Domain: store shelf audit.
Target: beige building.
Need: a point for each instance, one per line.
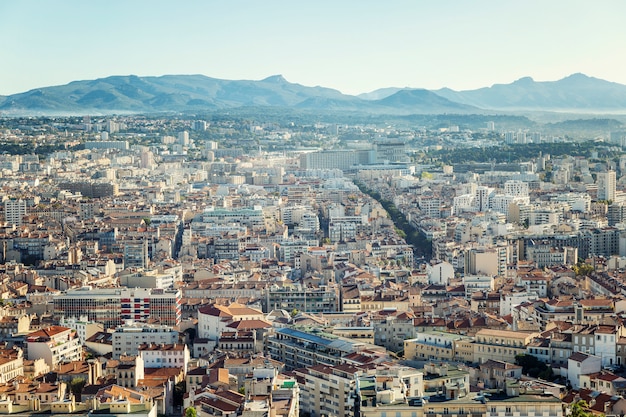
(522, 405)
(363, 334)
(84, 327)
(500, 345)
(35, 368)
(129, 371)
(11, 364)
(392, 327)
(438, 346)
(271, 394)
(214, 319)
(377, 303)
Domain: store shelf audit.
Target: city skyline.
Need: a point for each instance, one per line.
(352, 47)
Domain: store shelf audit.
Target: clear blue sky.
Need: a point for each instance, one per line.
(353, 46)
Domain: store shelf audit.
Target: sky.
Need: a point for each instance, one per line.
(354, 46)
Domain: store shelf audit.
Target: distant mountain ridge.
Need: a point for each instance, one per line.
(577, 92)
(133, 94)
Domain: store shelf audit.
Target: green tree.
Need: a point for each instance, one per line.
(578, 409)
(76, 386)
(179, 392)
(191, 412)
(582, 268)
(532, 366)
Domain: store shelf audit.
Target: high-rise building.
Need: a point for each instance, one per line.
(183, 138)
(200, 125)
(482, 196)
(606, 185)
(14, 211)
(136, 253)
(391, 150)
(111, 126)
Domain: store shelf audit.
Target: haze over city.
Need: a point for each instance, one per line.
(352, 46)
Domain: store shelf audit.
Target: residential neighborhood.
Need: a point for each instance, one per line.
(153, 265)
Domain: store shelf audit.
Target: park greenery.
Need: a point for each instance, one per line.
(533, 367)
(520, 153)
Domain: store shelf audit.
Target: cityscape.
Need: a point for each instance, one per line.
(232, 264)
(312, 209)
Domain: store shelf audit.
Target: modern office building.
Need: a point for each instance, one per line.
(113, 306)
(337, 159)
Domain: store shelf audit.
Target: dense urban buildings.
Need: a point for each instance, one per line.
(153, 265)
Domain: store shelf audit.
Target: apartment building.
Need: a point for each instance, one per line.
(127, 338)
(438, 346)
(165, 356)
(500, 345)
(299, 349)
(55, 344)
(214, 319)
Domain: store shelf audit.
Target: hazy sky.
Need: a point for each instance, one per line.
(353, 46)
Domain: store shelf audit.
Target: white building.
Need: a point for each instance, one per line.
(475, 283)
(482, 198)
(213, 320)
(513, 299)
(14, 211)
(605, 340)
(55, 345)
(581, 364)
(606, 185)
(126, 339)
(165, 356)
(516, 188)
(440, 274)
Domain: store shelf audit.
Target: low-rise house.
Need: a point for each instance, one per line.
(496, 374)
(582, 364)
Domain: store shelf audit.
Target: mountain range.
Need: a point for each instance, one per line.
(174, 93)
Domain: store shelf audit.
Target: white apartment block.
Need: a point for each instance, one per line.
(14, 211)
(55, 344)
(165, 356)
(126, 339)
